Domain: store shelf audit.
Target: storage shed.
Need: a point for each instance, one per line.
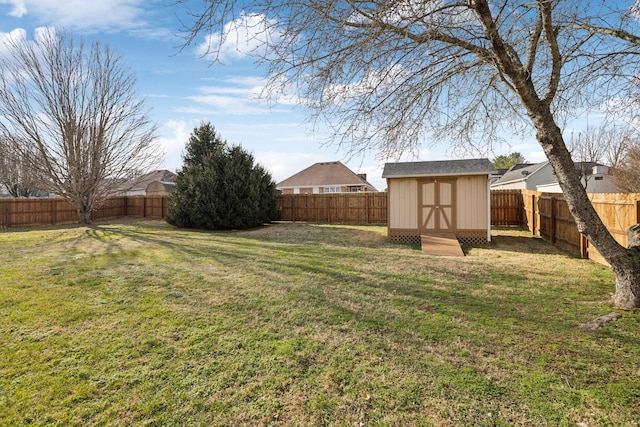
(441, 198)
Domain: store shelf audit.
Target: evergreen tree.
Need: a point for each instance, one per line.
(505, 161)
(220, 187)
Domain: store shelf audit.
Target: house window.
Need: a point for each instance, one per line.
(332, 189)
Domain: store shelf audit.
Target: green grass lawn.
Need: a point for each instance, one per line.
(294, 325)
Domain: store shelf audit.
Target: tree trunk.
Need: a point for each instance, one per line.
(624, 262)
(627, 289)
(84, 214)
(627, 272)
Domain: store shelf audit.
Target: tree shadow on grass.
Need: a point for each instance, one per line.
(438, 299)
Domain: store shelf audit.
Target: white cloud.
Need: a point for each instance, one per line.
(401, 12)
(284, 164)
(175, 135)
(19, 8)
(221, 104)
(92, 16)
(249, 34)
(14, 36)
(234, 96)
(18, 37)
(375, 81)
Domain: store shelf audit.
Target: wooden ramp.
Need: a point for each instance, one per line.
(441, 244)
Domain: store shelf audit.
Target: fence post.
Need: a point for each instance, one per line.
(5, 214)
(584, 247)
(520, 205)
(366, 207)
(553, 220)
(533, 214)
(52, 203)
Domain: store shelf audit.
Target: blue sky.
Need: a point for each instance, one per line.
(182, 89)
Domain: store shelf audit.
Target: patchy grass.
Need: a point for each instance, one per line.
(294, 324)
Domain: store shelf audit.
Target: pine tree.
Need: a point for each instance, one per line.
(220, 187)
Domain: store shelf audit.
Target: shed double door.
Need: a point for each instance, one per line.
(436, 204)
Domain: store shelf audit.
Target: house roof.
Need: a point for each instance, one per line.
(520, 172)
(439, 168)
(167, 186)
(141, 182)
(324, 174)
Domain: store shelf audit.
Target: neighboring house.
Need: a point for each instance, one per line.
(596, 176)
(156, 183)
(540, 177)
(325, 177)
(158, 188)
(525, 177)
(439, 197)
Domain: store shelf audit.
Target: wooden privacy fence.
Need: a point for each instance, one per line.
(340, 208)
(371, 208)
(547, 215)
(51, 211)
(544, 214)
(506, 207)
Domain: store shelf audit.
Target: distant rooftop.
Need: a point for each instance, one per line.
(140, 183)
(324, 174)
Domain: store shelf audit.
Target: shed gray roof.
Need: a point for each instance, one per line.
(439, 168)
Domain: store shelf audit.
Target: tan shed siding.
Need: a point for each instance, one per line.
(403, 203)
(472, 203)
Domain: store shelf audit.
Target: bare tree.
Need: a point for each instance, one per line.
(75, 109)
(602, 144)
(15, 171)
(385, 74)
(627, 172)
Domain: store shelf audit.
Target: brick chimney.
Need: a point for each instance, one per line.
(362, 176)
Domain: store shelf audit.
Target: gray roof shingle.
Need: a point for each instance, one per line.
(438, 168)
